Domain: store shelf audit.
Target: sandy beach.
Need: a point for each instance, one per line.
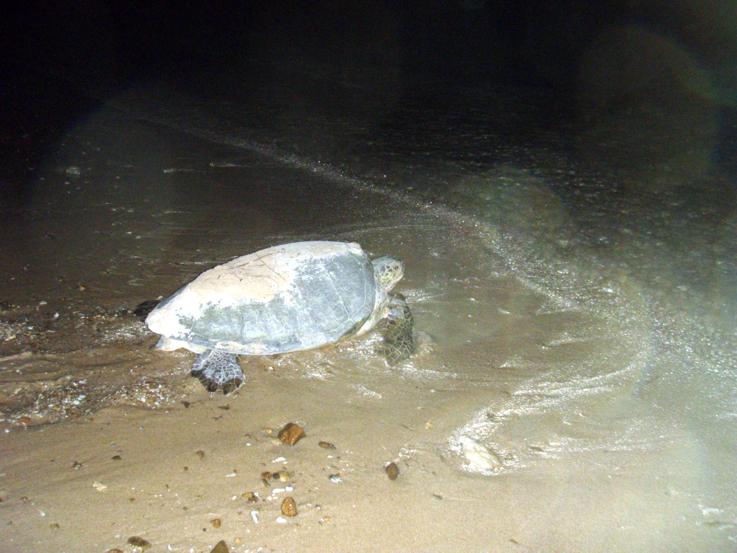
(573, 389)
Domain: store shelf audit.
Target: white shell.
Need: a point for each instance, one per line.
(284, 298)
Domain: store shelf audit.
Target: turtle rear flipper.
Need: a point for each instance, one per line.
(397, 329)
(218, 369)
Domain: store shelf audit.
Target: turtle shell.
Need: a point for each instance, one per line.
(285, 298)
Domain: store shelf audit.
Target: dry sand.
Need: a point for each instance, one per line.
(165, 475)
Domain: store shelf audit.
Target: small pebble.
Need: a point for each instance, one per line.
(216, 523)
(114, 550)
(200, 454)
(220, 547)
(116, 457)
(250, 497)
(138, 541)
(326, 445)
(99, 486)
(291, 433)
(335, 478)
(281, 520)
(289, 507)
(392, 471)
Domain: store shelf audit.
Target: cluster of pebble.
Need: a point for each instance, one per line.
(289, 435)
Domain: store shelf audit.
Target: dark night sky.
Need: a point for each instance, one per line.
(57, 56)
(536, 42)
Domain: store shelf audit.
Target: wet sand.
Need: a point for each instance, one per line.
(524, 423)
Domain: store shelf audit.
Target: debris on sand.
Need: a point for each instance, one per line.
(291, 433)
(137, 541)
(220, 547)
(326, 445)
(392, 471)
(289, 507)
(250, 497)
(216, 523)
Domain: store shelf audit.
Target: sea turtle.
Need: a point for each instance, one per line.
(291, 297)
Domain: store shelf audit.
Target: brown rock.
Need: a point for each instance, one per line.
(250, 497)
(139, 542)
(114, 550)
(392, 471)
(220, 547)
(291, 433)
(326, 445)
(289, 507)
(216, 523)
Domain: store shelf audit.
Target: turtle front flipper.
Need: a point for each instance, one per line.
(397, 330)
(218, 369)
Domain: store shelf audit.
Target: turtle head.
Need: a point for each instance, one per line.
(388, 272)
